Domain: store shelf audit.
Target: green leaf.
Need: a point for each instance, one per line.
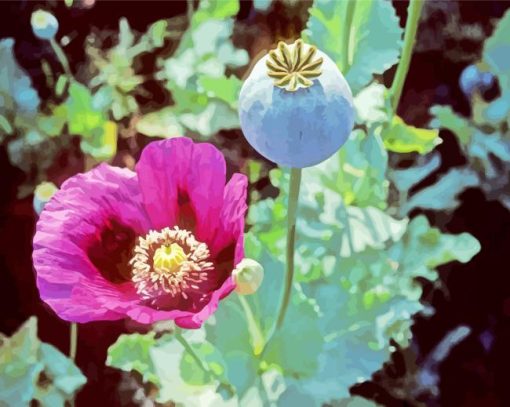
(444, 117)
(400, 137)
(496, 51)
(103, 144)
(229, 332)
(211, 9)
(443, 194)
(191, 372)
(157, 32)
(225, 89)
(131, 352)
(374, 42)
(53, 124)
(83, 118)
(161, 123)
(169, 358)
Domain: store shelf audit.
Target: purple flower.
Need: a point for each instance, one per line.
(156, 244)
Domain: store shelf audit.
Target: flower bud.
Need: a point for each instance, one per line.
(44, 24)
(248, 276)
(295, 107)
(42, 194)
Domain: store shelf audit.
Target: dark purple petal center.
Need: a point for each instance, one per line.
(111, 249)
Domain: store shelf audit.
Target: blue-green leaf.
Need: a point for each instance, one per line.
(496, 51)
(374, 41)
(443, 194)
(23, 359)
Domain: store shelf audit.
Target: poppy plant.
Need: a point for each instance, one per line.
(156, 244)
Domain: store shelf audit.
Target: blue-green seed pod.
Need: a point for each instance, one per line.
(295, 107)
(44, 24)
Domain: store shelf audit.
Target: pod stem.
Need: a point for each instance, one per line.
(61, 56)
(294, 186)
(413, 19)
(349, 15)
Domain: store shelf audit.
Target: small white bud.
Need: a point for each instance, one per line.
(248, 276)
(42, 194)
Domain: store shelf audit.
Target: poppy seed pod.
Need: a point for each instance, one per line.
(44, 24)
(295, 107)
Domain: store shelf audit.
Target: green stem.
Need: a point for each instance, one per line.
(185, 344)
(347, 225)
(73, 340)
(190, 9)
(413, 18)
(295, 182)
(349, 14)
(73, 347)
(255, 332)
(61, 56)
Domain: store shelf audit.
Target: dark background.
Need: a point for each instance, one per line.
(477, 294)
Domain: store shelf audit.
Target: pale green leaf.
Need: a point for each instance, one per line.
(216, 116)
(131, 353)
(370, 104)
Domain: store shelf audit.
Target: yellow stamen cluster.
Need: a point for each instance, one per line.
(170, 261)
(294, 66)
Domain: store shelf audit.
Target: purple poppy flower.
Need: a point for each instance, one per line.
(156, 244)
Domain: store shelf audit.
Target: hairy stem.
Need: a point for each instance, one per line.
(295, 182)
(413, 18)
